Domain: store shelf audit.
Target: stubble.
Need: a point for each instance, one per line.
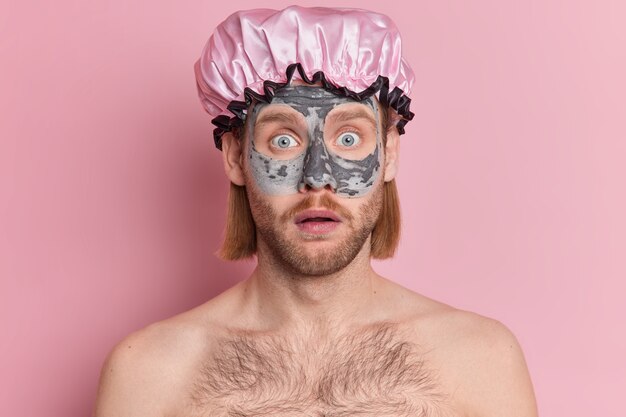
(287, 251)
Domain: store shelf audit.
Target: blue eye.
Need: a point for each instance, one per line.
(284, 141)
(348, 139)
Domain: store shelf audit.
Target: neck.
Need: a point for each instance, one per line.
(281, 298)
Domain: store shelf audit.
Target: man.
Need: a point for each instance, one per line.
(309, 105)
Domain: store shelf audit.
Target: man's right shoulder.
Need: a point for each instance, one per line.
(146, 372)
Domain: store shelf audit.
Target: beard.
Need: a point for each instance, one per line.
(289, 254)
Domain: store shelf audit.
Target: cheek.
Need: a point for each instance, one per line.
(356, 178)
(273, 176)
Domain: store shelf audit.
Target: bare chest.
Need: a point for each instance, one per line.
(372, 373)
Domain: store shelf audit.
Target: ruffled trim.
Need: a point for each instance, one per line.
(395, 99)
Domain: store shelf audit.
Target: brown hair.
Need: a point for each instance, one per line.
(240, 232)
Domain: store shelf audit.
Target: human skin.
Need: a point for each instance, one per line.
(278, 342)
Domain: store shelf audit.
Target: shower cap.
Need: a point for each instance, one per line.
(351, 52)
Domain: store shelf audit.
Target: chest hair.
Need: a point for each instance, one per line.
(367, 373)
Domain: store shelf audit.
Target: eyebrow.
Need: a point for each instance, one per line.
(283, 118)
(347, 115)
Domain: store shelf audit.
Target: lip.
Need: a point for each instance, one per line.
(311, 214)
(317, 222)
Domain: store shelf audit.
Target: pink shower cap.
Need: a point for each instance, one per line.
(351, 52)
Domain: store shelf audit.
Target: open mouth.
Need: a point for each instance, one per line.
(317, 221)
(316, 216)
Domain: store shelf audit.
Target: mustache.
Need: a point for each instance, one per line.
(312, 201)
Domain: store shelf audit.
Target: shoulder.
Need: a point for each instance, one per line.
(483, 363)
(150, 371)
(146, 372)
(478, 360)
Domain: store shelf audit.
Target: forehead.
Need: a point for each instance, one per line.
(317, 102)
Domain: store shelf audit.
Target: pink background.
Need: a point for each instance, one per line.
(112, 195)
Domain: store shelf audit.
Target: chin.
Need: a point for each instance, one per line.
(317, 255)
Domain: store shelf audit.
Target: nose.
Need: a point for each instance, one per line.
(317, 172)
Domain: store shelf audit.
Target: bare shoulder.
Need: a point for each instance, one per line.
(481, 361)
(492, 368)
(147, 371)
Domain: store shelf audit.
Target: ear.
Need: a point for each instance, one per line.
(392, 148)
(233, 158)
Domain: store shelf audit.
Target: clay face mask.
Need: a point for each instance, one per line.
(308, 136)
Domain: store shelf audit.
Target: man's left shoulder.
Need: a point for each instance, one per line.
(483, 362)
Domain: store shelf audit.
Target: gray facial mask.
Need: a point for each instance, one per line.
(316, 167)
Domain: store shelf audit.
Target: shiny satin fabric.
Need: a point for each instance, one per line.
(352, 47)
